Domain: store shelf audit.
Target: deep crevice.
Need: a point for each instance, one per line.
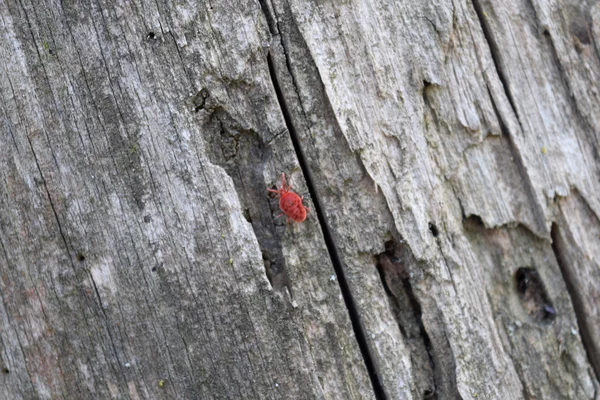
(240, 151)
(269, 17)
(327, 235)
(494, 51)
(567, 275)
(434, 229)
(395, 278)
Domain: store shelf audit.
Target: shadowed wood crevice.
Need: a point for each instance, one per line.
(329, 241)
(586, 326)
(241, 151)
(495, 51)
(394, 268)
(314, 120)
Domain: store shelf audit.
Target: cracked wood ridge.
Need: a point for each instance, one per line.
(449, 152)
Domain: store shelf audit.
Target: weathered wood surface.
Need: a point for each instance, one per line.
(451, 154)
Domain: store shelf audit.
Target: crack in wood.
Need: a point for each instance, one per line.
(502, 76)
(584, 328)
(55, 213)
(395, 279)
(495, 54)
(328, 237)
(64, 240)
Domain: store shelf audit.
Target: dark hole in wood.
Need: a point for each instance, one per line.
(533, 295)
(522, 277)
(200, 99)
(427, 89)
(151, 36)
(549, 312)
(580, 30)
(428, 394)
(247, 215)
(80, 257)
(153, 269)
(473, 222)
(147, 219)
(386, 288)
(5, 370)
(433, 229)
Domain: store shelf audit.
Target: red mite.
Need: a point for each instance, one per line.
(290, 203)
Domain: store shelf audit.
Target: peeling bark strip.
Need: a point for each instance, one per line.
(450, 150)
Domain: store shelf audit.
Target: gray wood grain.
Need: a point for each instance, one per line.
(448, 152)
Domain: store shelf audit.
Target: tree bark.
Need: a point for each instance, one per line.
(448, 152)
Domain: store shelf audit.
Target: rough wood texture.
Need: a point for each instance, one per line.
(448, 150)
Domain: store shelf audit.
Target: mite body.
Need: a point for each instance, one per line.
(290, 203)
